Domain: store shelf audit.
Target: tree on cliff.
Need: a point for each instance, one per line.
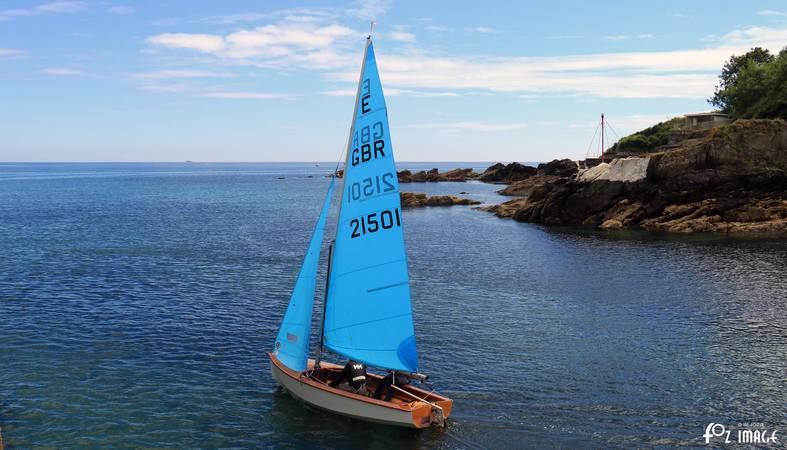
(753, 85)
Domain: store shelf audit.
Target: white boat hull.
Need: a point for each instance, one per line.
(416, 414)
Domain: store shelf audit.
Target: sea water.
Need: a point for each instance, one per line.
(137, 302)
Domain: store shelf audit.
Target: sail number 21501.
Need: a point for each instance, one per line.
(374, 222)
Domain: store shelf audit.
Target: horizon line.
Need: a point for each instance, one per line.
(240, 162)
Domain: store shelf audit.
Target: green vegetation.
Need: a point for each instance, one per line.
(753, 86)
(648, 139)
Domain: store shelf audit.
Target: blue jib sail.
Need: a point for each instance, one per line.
(292, 343)
(368, 316)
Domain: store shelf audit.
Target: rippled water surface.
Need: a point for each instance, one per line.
(137, 301)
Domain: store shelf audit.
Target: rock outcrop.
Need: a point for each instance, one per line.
(733, 180)
(507, 173)
(418, 199)
(525, 187)
(620, 169)
(406, 176)
(558, 167)
(545, 173)
(458, 175)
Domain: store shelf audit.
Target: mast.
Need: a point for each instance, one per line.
(325, 299)
(339, 211)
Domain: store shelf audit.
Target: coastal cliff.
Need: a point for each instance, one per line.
(732, 180)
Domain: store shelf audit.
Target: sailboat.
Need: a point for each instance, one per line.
(367, 316)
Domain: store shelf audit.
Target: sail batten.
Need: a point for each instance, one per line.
(368, 315)
(292, 343)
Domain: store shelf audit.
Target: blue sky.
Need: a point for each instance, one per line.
(273, 80)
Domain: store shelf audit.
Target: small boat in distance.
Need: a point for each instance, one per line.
(367, 316)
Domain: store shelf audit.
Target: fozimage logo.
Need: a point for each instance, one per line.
(746, 433)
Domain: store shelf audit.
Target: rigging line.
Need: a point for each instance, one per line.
(612, 129)
(592, 140)
(339, 161)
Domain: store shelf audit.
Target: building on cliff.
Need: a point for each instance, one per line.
(705, 120)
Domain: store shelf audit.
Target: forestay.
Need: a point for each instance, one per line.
(292, 343)
(368, 317)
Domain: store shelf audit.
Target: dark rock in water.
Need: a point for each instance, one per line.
(280, 178)
(431, 175)
(458, 175)
(735, 180)
(558, 167)
(309, 176)
(501, 173)
(463, 193)
(405, 176)
(418, 199)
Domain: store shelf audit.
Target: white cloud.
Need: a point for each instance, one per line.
(234, 18)
(472, 126)
(10, 53)
(752, 35)
(286, 44)
(349, 92)
(369, 9)
(294, 14)
(166, 88)
(566, 36)
(179, 73)
(330, 48)
(485, 30)
(623, 37)
(676, 74)
(206, 43)
(62, 72)
(770, 12)
(121, 9)
(60, 7)
(249, 95)
(391, 92)
(438, 29)
(401, 36)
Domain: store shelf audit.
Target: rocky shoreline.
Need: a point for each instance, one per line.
(729, 179)
(418, 199)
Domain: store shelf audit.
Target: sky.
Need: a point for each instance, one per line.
(239, 80)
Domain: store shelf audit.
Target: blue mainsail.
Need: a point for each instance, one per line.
(368, 317)
(292, 343)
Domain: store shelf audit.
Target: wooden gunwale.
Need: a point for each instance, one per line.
(303, 378)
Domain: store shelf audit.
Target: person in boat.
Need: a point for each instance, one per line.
(354, 373)
(385, 384)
